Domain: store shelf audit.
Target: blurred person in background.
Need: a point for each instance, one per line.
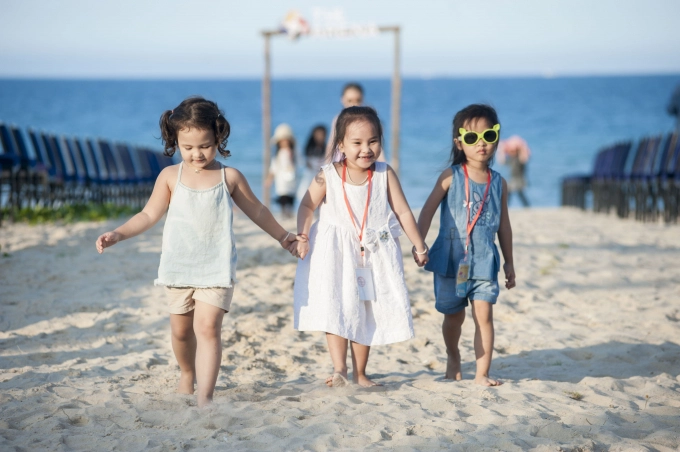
(514, 152)
(283, 172)
(315, 150)
(674, 107)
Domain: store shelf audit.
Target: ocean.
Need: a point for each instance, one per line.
(564, 120)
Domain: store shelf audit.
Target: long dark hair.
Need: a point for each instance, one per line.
(347, 117)
(312, 148)
(194, 112)
(466, 115)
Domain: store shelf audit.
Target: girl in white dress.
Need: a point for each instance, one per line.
(350, 281)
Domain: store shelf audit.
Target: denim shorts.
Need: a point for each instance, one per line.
(447, 302)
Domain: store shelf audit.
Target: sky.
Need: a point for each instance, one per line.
(221, 39)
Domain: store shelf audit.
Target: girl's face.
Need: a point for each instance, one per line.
(361, 145)
(481, 152)
(352, 98)
(285, 144)
(197, 147)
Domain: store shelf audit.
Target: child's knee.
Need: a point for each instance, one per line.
(456, 319)
(182, 333)
(206, 329)
(482, 311)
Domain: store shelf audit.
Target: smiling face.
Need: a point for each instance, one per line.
(481, 152)
(197, 146)
(361, 145)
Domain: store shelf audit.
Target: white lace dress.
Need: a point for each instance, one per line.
(326, 294)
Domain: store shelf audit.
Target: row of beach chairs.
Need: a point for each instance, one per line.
(48, 170)
(644, 180)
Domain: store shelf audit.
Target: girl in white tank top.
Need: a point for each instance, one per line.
(198, 259)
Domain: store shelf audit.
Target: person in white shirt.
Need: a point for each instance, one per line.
(283, 172)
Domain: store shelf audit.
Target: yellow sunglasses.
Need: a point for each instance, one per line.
(471, 138)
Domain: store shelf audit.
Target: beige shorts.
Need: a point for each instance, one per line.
(183, 299)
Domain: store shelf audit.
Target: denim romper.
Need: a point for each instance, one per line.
(449, 247)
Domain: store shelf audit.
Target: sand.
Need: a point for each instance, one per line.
(588, 345)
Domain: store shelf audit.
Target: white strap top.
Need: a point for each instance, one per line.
(198, 238)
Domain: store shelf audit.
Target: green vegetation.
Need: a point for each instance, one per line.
(574, 395)
(70, 213)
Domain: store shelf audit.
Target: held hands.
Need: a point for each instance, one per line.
(509, 270)
(106, 240)
(420, 258)
(301, 247)
(287, 241)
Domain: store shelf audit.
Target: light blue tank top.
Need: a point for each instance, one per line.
(449, 247)
(198, 238)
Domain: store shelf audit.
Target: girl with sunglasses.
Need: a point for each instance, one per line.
(464, 257)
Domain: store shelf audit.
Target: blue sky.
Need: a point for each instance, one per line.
(220, 39)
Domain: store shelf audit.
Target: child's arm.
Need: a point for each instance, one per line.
(315, 194)
(246, 200)
(441, 187)
(269, 179)
(401, 209)
(505, 240)
(153, 211)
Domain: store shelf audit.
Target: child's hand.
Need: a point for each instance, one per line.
(302, 249)
(509, 270)
(421, 259)
(288, 241)
(106, 240)
(302, 246)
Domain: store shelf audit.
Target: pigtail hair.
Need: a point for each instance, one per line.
(222, 132)
(168, 133)
(195, 112)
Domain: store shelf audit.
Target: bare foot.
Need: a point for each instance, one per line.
(453, 367)
(486, 381)
(364, 382)
(186, 384)
(204, 402)
(337, 380)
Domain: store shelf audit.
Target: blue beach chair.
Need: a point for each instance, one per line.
(627, 183)
(607, 183)
(93, 182)
(54, 182)
(37, 177)
(669, 180)
(63, 158)
(10, 168)
(652, 197)
(641, 175)
(115, 171)
(59, 189)
(575, 187)
(130, 181)
(144, 172)
(81, 182)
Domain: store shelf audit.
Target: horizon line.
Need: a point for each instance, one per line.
(545, 76)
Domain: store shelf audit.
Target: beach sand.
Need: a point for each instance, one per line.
(588, 345)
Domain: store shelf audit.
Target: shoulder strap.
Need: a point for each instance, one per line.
(179, 172)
